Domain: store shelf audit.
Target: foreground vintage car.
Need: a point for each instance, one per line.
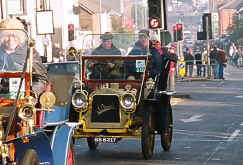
(25, 135)
(122, 102)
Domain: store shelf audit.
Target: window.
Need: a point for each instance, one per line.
(15, 7)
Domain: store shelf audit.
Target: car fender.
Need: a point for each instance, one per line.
(61, 141)
(38, 142)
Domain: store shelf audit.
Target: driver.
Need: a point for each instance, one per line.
(13, 50)
(106, 69)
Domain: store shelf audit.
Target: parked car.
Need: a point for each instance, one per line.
(123, 101)
(25, 135)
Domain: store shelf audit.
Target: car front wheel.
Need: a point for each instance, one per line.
(148, 135)
(92, 144)
(166, 138)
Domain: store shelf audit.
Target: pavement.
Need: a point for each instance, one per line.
(231, 73)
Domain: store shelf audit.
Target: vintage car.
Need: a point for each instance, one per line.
(32, 130)
(117, 98)
(69, 68)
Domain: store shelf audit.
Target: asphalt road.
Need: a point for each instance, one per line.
(208, 129)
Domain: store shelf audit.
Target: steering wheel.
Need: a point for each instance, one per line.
(102, 67)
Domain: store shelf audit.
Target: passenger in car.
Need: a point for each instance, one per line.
(13, 48)
(142, 45)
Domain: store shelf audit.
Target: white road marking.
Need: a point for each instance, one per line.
(192, 119)
(239, 96)
(241, 124)
(233, 135)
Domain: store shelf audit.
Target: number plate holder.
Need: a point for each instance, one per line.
(106, 139)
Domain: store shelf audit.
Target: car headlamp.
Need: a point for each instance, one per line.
(27, 112)
(80, 100)
(128, 101)
(47, 99)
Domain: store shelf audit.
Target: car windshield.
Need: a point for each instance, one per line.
(114, 67)
(117, 56)
(72, 67)
(13, 52)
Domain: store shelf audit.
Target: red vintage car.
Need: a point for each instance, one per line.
(25, 136)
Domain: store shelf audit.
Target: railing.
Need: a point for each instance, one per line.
(196, 69)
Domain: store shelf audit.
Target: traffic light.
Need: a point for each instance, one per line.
(207, 25)
(154, 13)
(201, 36)
(175, 33)
(179, 31)
(70, 32)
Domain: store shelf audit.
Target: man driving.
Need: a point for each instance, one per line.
(105, 68)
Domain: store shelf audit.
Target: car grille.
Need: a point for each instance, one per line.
(105, 108)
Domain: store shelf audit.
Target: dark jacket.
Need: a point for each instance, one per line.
(198, 58)
(213, 55)
(189, 59)
(102, 51)
(138, 49)
(221, 57)
(156, 63)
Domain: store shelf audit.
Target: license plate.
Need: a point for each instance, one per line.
(105, 139)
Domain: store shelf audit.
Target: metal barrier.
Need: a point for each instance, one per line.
(196, 69)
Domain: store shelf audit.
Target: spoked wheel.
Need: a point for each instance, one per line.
(92, 144)
(148, 134)
(166, 138)
(29, 157)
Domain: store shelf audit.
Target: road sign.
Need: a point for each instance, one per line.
(154, 23)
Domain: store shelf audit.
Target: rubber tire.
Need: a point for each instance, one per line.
(92, 144)
(166, 138)
(148, 137)
(29, 157)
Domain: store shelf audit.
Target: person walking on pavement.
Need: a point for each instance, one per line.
(204, 61)
(235, 56)
(198, 58)
(221, 59)
(213, 62)
(189, 62)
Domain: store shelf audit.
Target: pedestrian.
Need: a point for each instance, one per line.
(198, 59)
(157, 58)
(204, 65)
(213, 62)
(189, 62)
(222, 60)
(172, 71)
(235, 57)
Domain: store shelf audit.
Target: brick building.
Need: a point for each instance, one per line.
(226, 14)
